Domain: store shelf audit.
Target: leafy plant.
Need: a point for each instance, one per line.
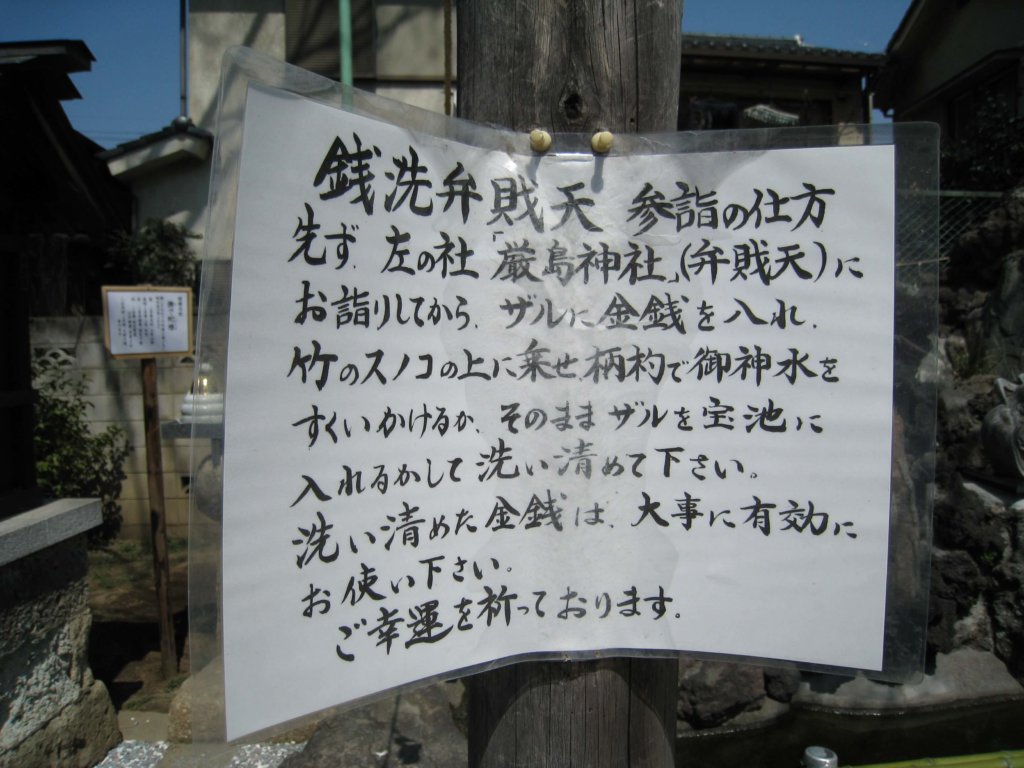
(156, 254)
(989, 155)
(71, 461)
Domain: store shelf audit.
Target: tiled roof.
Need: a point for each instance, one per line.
(59, 186)
(790, 49)
(176, 128)
(47, 63)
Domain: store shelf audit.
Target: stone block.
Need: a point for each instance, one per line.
(52, 711)
(197, 709)
(81, 734)
(43, 678)
(45, 526)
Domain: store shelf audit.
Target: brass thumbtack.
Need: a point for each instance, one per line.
(601, 142)
(540, 140)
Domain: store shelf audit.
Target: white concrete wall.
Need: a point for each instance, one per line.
(213, 27)
(426, 95)
(410, 40)
(178, 193)
(114, 390)
(411, 49)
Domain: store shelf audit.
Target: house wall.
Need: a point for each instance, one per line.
(423, 95)
(397, 45)
(409, 40)
(409, 59)
(213, 27)
(177, 194)
(948, 38)
(114, 392)
(820, 101)
(408, 48)
(180, 193)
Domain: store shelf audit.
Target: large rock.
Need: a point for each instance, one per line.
(962, 677)
(80, 734)
(956, 584)
(781, 683)
(1001, 348)
(961, 409)
(199, 700)
(974, 630)
(982, 298)
(712, 692)
(1008, 598)
(978, 567)
(413, 728)
(977, 587)
(974, 520)
(196, 713)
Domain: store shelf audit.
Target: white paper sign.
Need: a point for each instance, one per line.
(145, 322)
(482, 405)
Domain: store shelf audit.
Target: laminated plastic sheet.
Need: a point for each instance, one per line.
(483, 404)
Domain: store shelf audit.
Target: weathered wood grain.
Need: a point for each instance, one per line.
(572, 66)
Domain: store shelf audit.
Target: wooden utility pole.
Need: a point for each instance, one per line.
(158, 518)
(572, 66)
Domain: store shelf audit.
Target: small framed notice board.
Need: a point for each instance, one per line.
(147, 321)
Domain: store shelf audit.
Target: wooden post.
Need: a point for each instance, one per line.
(572, 66)
(158, 517)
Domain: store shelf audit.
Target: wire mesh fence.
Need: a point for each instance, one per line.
(929, 225)
(960, 212)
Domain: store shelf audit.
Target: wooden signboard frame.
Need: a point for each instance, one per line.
(154, 461)
(111, 290)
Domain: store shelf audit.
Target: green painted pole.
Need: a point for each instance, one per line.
(1013, 759)
(345, 41)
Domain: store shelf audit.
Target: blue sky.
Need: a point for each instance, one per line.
(133, 88)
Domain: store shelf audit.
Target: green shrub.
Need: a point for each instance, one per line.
(71, 461)
(989, 156)
(158, 253)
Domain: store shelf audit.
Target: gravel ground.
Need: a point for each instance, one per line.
(263, 755)
(148, 754)
(135, 754)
